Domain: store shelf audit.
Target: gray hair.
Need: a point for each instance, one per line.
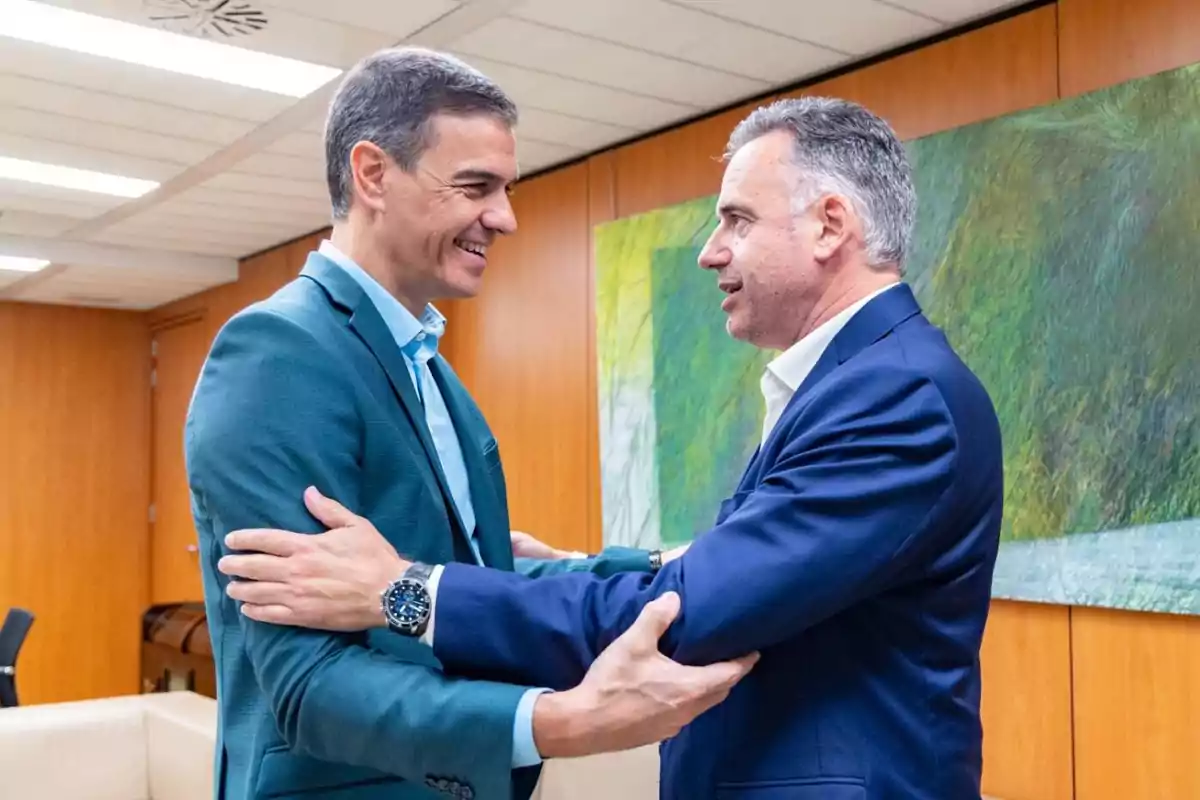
(389, 99)
(842, 147)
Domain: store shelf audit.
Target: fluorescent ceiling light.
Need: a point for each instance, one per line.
(21, 264)
(72, 178)
(150, 47)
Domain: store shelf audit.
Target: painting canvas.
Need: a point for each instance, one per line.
(1058, 249)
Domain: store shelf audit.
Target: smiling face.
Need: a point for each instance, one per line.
(436, 222)
(774, 262)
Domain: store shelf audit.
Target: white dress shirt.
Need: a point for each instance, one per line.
(787, 371)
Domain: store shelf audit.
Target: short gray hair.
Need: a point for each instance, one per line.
(842, 147)
(389, 99)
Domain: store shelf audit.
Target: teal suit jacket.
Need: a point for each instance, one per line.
(309, 388)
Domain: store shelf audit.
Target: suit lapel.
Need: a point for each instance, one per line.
(370, 327)
(495, 546)
(874, 321)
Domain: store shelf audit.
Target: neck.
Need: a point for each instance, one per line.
(353, 238)
(847, 289)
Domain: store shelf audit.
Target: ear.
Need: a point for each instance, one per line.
(368, 171)
(836, 220)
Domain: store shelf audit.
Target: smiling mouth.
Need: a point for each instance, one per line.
(474, 248)
(730, 288)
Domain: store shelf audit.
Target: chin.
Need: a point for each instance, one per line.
(736, 330)
(464, 286)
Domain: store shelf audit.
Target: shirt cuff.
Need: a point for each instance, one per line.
(525, 752)
(435, 577)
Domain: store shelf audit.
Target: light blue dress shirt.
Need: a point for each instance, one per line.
(418, 341)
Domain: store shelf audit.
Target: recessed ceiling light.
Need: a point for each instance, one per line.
(72, 178)
(148, 47)
(21, 264)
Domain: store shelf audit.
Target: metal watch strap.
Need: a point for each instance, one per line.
(418, 571)
(655, 560)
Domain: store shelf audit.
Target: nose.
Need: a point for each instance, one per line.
(715, 254)
(500, 217)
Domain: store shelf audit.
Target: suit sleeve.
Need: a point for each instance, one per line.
(842, 514)
(609, 561)
(269, 419)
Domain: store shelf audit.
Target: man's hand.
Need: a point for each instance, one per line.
(329, 581)
(633, 695)
(525, 545)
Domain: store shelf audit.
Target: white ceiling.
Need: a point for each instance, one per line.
(242, 170)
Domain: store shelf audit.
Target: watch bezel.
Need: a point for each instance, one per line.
(407, 624)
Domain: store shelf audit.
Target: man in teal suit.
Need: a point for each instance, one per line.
(335, 383)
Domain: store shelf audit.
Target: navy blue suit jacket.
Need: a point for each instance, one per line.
(856, 555)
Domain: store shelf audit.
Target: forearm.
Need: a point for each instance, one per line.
(843, 514)
(543, 632)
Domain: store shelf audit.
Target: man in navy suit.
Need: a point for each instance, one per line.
(856, 553)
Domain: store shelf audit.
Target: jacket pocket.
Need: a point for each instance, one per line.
(817, 788)
(284, 774)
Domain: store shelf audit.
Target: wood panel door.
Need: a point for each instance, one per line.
(179, 352)
(74, 487)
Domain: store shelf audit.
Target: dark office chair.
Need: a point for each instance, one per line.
(12, 636)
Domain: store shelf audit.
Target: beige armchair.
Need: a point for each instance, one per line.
(142, 747)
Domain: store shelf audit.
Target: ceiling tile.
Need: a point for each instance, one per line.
(22, 196)
(681, 32)
(128, 140)
(398, 20)
(28, 223)
(525, 44)
(250, 201)
(302, 145)
(956, 11)
(285, 33)
(547, 126)
(20, 92)
(69, 155)
(8, 277)
(534, 155)
(208, 246)
(312, 190)
(273, 165)
(549, 92)
(106, 288)
(841, 25)
(95, 74)
(265, 214)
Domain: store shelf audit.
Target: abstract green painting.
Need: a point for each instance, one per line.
(1058, 249)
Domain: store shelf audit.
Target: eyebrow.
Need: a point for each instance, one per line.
(479, 175)
(725, 209)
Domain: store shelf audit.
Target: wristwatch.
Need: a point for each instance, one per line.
(655, 560)
(406, 602)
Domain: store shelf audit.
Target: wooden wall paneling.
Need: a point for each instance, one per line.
(180, 351)
(74, 495)
(527, 337)
(675, 166)
(1027, 753)
(1106, 42)
(988, 72)
(1137, 705)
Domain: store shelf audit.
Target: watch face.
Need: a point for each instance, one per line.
(408, 604)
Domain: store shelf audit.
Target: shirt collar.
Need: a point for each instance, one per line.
(417, 338)
(793, 365)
